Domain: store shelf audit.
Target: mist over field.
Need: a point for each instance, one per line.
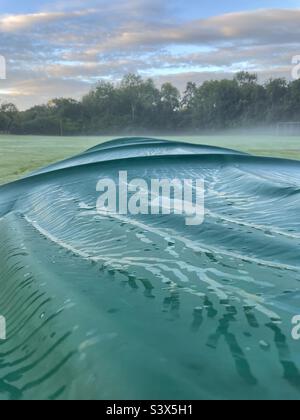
(19, 155)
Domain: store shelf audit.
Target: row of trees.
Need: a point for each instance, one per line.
(137, 104)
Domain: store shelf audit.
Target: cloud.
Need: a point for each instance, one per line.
(15, 23)
(34, 91)
(66, 47)
(250, 28)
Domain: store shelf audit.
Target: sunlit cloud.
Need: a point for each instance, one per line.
(15, 23)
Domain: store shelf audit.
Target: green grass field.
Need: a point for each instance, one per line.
(20, 155)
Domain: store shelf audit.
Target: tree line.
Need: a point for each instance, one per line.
(138, 104)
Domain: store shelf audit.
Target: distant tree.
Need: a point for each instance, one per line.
(252, 99)
(277, 96)
(216, 104)
(149, 105)
(293, 101)
(9, 116)
(68, 113)
(170, 106)
(189, 95)
(137, 104)
(131, 91)
(187, 106)
(246, 78)
(100, 108)
(4, 123)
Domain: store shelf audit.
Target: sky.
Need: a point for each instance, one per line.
(64, 47)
